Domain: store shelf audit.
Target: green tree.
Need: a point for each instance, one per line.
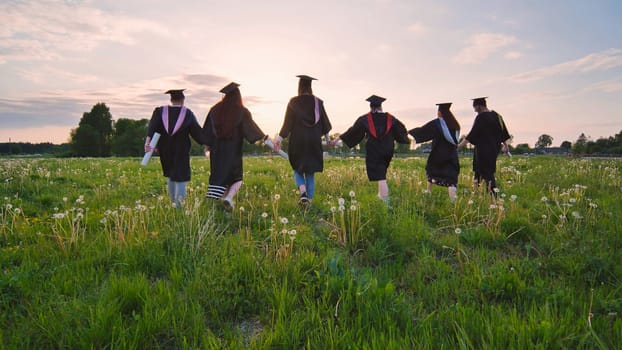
(129, 137)
(522, 148)
(544, 141)
(93, 136)
(580, 146)
(567, 145)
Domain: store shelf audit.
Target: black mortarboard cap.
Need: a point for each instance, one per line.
(444, 106)
(229, 88)
(176, 94)
(375, 100)
(305, 77)
(480, 101)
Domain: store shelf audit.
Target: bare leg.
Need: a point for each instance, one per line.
(383, 189)
(232, 191)
(452, 190)
(429, 187)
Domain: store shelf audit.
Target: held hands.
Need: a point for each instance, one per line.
(149, 148)
(277, 145)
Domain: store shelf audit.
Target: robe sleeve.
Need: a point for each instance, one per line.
(474, 135)
(354, 135)
(195, 129)
(399, 132)
(424, 133)
(154, 122)
(208, 130)
(288, 122)
(505, 134)
(326, 127)
(250, 130)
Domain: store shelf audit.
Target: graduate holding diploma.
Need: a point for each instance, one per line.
(175, 124)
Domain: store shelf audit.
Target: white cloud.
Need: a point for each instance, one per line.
(513, 55)
(607, 86)
(481, 46)
(417, 28)
(599, 61)
(45, 30)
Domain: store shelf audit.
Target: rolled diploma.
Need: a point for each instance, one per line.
(270, 144)
(152, 144)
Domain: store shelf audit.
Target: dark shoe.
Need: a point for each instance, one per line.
(227, 204)
(304, 200)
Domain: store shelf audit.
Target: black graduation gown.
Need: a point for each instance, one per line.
(305, 136)
(487, 134)
(175, 150)
(442, 166)
(226, 153)
(378, 150)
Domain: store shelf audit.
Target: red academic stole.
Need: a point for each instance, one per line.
(372, 127)
(180, 119)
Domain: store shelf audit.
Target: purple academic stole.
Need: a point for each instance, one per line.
(180, 119)
(372, 127)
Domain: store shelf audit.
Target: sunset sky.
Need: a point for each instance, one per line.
(549, 67)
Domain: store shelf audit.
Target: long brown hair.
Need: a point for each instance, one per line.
(227, 114)
(450, 120)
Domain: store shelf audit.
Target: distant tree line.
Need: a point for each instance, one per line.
(582, 146)
(98, 135)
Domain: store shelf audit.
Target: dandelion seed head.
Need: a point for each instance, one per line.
(353, 207)
(242, 209)
(470, 202)
(513, 197)
(292, 232)
(544, 199)
(8, 206)
(458, 230)
(341, 201)
(277, 197)
(495, 190)
(264, 215)
(342, 208)
(64, 199)
(352, 194)
(284, 221)
(333, 209)
(544, 217)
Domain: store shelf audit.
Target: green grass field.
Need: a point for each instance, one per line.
(94, 256)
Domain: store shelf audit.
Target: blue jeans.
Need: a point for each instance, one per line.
(307, 179)
(176, 191)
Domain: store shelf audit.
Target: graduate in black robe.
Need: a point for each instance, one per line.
(489, 135)
(305, 123)
(175, 124)
(442, 167)
(381, 130)
(226, 126)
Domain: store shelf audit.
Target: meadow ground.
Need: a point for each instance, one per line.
(94, 256)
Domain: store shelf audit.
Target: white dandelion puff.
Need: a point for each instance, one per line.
(264, 215)
(544, 199)
(277, 197)
(458, 230)
(284, 221)
(513, 198)
(341, 201)
(352, 194)
(353, 207)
